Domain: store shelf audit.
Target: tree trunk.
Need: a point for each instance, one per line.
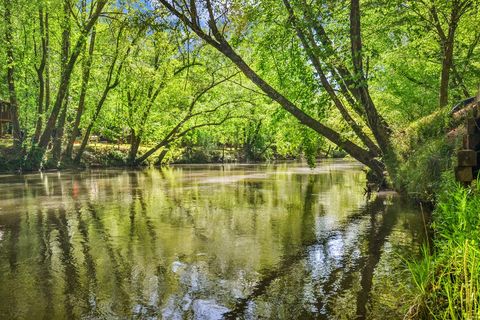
(83, 93)
(59, 133)
(447, 63)
(162, 155)
(351, 148)
(377, 124)
(47, 64)
(41, 80)
(215, 38)
(17, 134)
(134, 146)
(113, 79)
(311, 48)
(60, 129)
(88, 131)
(100, 103)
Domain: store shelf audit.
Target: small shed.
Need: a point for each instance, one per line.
(5, 118)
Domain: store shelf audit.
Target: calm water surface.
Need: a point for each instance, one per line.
(204, 242)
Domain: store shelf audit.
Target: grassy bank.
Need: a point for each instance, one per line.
(448, 277)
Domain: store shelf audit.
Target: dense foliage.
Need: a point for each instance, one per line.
(159, 80)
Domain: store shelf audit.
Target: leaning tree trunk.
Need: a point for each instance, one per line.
(98, 109)
(162, 155)
(215, 38)
(362, 155)
(379, 127)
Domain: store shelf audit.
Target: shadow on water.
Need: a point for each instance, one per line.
(243, 242)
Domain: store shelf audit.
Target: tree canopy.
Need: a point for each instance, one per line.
(262, 78)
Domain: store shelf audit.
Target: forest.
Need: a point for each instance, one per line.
(302, 79)
(141, 83)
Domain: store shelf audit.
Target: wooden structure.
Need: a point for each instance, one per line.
(5, 117)
(468, 165)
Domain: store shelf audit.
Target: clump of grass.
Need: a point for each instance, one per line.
(448, 277)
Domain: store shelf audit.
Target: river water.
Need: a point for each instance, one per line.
(204, 242)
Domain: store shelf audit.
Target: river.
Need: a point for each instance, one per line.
(204, 242)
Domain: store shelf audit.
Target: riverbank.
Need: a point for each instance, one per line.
(108, 155)
(102, 155)
(447, 278)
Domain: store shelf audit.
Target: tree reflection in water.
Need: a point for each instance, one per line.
(205, 242)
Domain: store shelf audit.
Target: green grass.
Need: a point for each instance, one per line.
(448, 277)
(423, 151)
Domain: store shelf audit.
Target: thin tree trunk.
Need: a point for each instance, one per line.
(47, 64)
(112, 83)
(447, 62)
(162, 155)
(60, 129)
(17, 135)
(447, 42)
(41, 80)
(88, 131)
(59, 133)
(83, 93)
(351, 148)
(309, 46)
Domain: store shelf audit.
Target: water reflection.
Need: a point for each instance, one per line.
(203, 242)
